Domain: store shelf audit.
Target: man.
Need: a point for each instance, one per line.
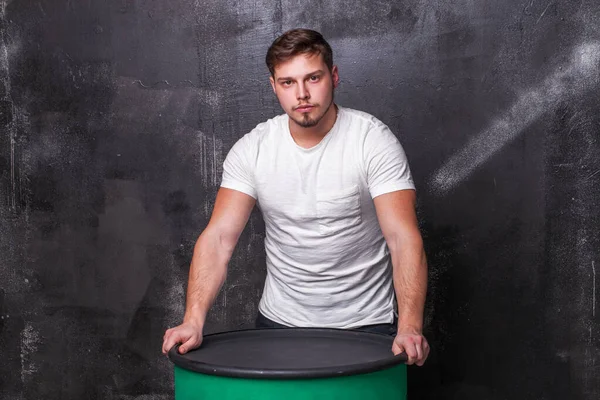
(335, 190)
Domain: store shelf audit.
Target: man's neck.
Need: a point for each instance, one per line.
(310, 137)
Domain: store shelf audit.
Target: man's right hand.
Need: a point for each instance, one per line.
(188, 334)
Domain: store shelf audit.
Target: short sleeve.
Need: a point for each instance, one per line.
(386, 164)
(238, 172)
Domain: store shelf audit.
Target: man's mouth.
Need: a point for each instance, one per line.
(304, 108)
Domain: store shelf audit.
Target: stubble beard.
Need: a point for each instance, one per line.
(308, 122)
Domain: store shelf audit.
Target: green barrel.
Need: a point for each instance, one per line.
(291, 364)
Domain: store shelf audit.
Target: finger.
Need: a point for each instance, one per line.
(421, 362)
(398, 346)
(411, 352)
(414, 357)
(172, 340)
(419, 351)
(165, 338)
(190, 344)
(426, 349)
(169, 340)
(407, 348)
(419, 358)
(397, 349)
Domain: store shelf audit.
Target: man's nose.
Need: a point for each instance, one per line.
(302, 93)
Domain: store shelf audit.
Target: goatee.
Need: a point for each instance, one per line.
(308, 122)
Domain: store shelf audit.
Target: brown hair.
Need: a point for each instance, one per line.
(298, 41)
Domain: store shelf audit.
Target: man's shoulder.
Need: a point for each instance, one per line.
(266, 128)
(262, 134)
(363, 118)
(368, 129)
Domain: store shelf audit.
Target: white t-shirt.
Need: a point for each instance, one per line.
(328, 264)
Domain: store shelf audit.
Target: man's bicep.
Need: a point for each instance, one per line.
(230, 214)
(396, 214)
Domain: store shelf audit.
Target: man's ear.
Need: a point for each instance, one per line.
(272, 83)
(335, 76)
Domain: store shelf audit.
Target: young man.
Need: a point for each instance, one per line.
(335, 190)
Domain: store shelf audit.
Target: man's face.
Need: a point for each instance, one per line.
(304, 86)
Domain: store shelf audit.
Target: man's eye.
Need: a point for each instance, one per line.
(314, 78)
(287, 83)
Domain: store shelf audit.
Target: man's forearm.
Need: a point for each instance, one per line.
(208, 271)
(410, 282)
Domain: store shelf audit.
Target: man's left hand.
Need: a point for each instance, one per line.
(413, 344)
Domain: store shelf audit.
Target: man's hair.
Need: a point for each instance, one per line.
(298, 41)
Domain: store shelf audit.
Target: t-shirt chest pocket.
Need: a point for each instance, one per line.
(338, 210)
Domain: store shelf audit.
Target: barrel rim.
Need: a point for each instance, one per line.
(292, 373)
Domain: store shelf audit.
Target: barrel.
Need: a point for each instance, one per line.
(290, 364)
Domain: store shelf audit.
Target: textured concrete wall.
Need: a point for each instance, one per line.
(116, 117)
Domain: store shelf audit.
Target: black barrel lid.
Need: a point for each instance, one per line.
(289, 353)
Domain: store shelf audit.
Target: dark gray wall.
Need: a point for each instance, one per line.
(116, 117)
